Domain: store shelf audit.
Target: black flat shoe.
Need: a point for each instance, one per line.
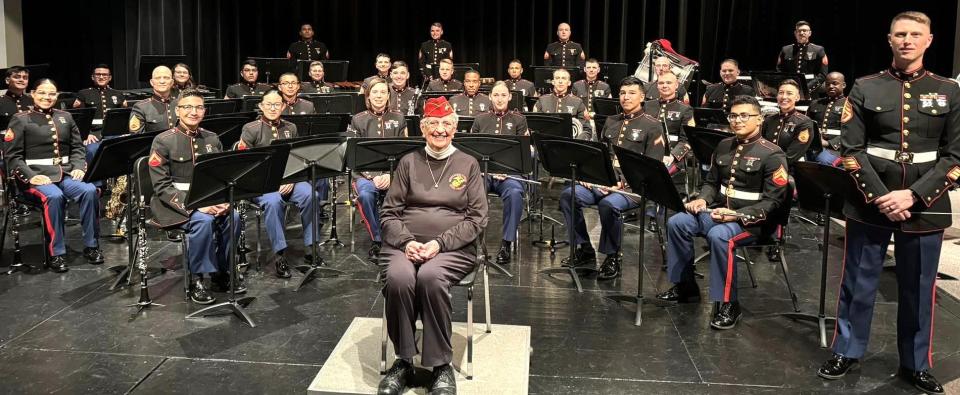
(503, 255)
(921, 380)
(837, 366)
(581, 257)
(727, 316)
(283, 270)
(610, 269)
(58, 264)
(444, 381)
(681, 293)
(94, 255)
(394, 382)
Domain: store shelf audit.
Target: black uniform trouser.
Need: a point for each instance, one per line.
(423, 290)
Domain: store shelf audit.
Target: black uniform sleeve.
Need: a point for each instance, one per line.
(655, 146)
(521, 126)
(249, 136)
(159, 164)
(824, 67)
(780, 65)
(853, 140)
(587, 132)
(14, 149)
(933, 184)
(774, 193)
(78, 152)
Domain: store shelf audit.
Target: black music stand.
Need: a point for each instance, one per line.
(606, 106)
(319, 124)
(228, 127)
(334, 70)
(83, 117)
(821, 189)
(516, 101)
(273, 67)
(552, 124)
(704, 141)
(710, 118)
(332, 103)
(766, 84)
(379, 154)
(650, 179)
(116, 157)
(116, 122)
(576, 160)
(221, 106)
(612, 74)
(464, 124)
(313, 158)
(227, 177)
(503, 154)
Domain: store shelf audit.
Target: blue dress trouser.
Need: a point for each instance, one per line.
(610, 206)
(273, 213)
(511, 194)
(209, 242)
(53, 198)
(722, 239)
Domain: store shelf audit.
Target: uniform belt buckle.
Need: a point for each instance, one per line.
(56, 161)
(904, 157)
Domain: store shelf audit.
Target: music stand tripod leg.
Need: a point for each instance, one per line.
(311, 270)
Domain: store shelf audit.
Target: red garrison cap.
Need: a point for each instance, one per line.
(437, 107)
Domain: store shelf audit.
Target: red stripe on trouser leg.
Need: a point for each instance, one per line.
(360, 210)
(731, 244)
(46, 216)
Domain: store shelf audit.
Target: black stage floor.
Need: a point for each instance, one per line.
(69, 334)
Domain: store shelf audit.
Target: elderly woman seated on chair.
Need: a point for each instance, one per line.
(434, 210)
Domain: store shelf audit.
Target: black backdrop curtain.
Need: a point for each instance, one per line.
(215, 35)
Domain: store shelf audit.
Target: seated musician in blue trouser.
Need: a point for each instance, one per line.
(635, 131)
(49, 174)
(501, 120)
(208, 233)
(370, 188)
(748, 176)
(261, 133)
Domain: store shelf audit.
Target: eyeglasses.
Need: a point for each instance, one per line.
(433, 124)
(272, 106)
(740, 117)
(101, 74)
(189, 108)
(289, 83)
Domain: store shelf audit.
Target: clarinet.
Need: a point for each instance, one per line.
(141, 254)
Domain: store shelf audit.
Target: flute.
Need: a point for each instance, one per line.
(607, 188)
(734, 214)
(517, 178)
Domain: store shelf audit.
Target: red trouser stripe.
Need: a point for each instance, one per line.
(46, 216)
(731, 244)
(360, 209)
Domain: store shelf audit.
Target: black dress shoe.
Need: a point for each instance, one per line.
(174, 236)
(681, 293)
(837, 366)
(283, 270)
(727, 316)
(221, 283)
(309, 261)
(503, 256)
(374, 252)
(94, 255)
(444, 381)
(58, 264)
(921, 380)
(199, 293)
(773, 254)
(394, 382)
(610, 269)
(581, 257)
(821, 220)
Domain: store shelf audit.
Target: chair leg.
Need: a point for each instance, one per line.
(469, 367)
(3, 231)
(383, 339)
(17, 251)
(186, 267)
(44, 237)
(259, 215)
(486, 298)
(747, 263)
(786, 278)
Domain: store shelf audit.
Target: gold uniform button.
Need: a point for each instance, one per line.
(869, 195)
(907, 95)
(906, 85)
(879, 108)
(906, 107)
(906, 144)
(934, 111)
(906, 119)
(906, 132)
(863, 185)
